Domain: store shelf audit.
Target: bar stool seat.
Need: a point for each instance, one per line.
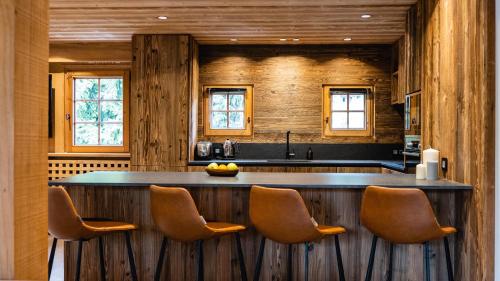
(281, 215)
(402, 216)
(96, 227)
(330, 230)
(65, 224)
(223, 228)
(175, 214)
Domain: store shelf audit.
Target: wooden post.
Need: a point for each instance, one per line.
(23, 139)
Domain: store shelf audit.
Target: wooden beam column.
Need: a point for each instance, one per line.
(160, 93)
(24, 50)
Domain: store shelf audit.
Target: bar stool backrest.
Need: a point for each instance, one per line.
(64, 221)
(281, 215)
(399, 215)
(176, 215)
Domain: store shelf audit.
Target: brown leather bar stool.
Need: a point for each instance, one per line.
(177, 217)
(281, 215)
(65, 224)
(402, 216)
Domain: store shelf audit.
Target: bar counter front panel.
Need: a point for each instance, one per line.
(332, 199)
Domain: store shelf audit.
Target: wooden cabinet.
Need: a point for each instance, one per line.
(407, 58)
(160, 93)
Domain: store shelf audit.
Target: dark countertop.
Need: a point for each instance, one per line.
(390, 164)
(245, 179)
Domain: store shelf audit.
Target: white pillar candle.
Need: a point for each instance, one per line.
(430, 155)
(432, 170)
(421, 172)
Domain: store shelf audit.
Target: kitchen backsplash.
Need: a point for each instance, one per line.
(363, 151)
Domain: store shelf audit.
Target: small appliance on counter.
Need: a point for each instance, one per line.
(230, 149)
(204, 150)
(218, 150)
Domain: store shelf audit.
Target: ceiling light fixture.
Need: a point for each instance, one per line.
(295, 39)
(162, 17)
(233, 39)
(366, 16)
(282, 39)
(347, 39)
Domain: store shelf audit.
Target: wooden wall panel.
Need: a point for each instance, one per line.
(288, 87)
(160, 94)
(7, 85)
(23, 143)
(91, 53)
(458, 107)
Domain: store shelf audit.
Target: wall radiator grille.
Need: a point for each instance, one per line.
(62, 168)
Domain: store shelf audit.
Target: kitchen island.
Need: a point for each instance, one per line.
(331, 198)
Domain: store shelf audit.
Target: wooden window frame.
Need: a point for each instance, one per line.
(68, 126)
(369, 112)
(248, 112)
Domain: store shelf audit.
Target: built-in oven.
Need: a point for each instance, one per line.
(413, 128)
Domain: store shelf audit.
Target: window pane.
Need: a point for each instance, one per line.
(86, 134)
(112, 89)
(236, 102)
(111, 111)
(356, 102)
(339, 102)
(219, 102)
(339, 120)
(86, 88)
(219, 120)
(111, 134)
(356, 120)
(86, 111)
(236, 120)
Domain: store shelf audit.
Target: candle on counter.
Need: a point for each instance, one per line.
(432, 170)
(421, 172)
(430, 155)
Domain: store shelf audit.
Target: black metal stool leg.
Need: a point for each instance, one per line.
(258, 264)
(200, 275)
(52, 254)
(426, 261)
(159, 266)
(306, 261)
(241, 259)
(131, 260)
(389, 271)
(368, 276)
(101, 260)
(79, 260)
(448, 259)
(340, 265)
(289, 262)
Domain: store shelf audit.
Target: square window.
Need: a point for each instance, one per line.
(347, 111)
(229, 110)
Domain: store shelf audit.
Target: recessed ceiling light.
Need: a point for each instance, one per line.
(282, 39)
(347, 39)
(295, 39)
(162, 17)
(233, 39)
(366, 16)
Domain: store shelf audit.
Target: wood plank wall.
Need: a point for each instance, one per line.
(288, 87)
(160, 94)
(458, 100)
(23, 143)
